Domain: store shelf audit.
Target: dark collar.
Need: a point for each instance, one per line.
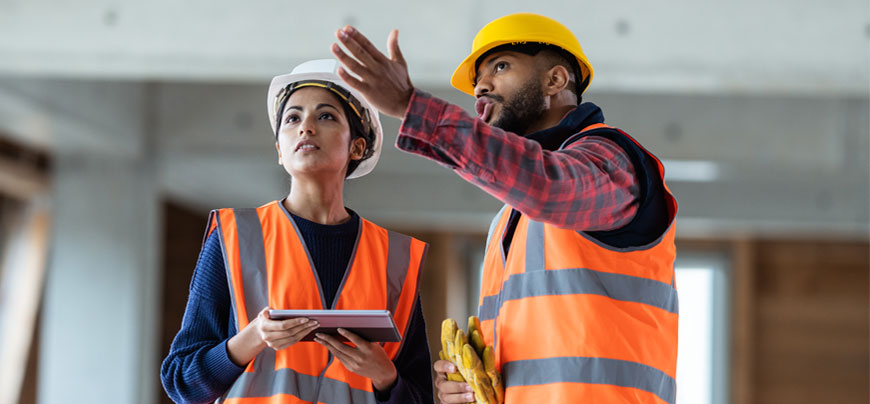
(584, 115)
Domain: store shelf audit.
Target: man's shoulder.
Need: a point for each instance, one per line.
(603, 136)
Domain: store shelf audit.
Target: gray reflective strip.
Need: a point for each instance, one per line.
(491, 237)
(219, 230)
(398, 259)
(489, 309)
(576, 281)
(590, 370)
(493, 225)
(535, 247)
(334, 391)
(265, 381)
(252, 254)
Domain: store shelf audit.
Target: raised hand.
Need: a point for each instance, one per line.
(383, 80)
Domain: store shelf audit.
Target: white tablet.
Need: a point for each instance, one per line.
(372, 325)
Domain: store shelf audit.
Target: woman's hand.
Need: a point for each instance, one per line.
(280, 334)
(367, 359)
(263, 332)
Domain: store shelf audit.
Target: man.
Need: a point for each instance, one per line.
(578, 296)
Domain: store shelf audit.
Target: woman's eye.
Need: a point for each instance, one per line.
(326, 115)
(291, 119)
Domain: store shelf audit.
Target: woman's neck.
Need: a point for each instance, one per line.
(318, 201)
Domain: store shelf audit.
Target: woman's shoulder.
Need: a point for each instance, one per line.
(394, 235)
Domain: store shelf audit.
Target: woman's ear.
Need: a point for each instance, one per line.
(557, 80)
(357, 148)
(278, 147)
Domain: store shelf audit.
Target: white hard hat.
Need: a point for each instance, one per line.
(322, 73)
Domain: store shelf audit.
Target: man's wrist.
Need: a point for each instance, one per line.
(402, 110)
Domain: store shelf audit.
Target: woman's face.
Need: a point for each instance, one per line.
(314, 138)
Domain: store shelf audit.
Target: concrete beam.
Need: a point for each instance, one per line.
(679, 46)
(73, 116)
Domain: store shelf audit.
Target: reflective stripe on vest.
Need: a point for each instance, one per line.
(383, 273)
(572, 319)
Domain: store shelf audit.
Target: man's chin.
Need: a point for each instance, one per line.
(497, 123)
(494, 120)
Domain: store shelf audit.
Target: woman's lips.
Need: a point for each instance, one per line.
(306, 145)
(483, 106)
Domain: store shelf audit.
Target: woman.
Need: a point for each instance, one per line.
(306, 251)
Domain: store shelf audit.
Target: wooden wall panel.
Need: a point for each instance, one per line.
(812, 327)
(182, 239)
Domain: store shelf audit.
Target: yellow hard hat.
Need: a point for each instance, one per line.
(517, 29)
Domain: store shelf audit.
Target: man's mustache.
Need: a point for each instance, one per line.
(494, 97)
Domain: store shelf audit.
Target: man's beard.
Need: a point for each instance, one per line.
(523, 109)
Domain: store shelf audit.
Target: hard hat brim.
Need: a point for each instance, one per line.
(463, 76)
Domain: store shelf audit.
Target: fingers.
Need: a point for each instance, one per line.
(383, 81)
(281, 334)
(351, 81)
(442, 366)
(393, 47)
(448, 391)
(351, 362)
(287, 325)
(455, 392)
(345, 59)
(334, 345)
(360, 342)
(359, 46)
(281, 343)
(351, 34)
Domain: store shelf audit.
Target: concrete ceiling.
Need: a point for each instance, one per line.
(738, 46)
(768, 100)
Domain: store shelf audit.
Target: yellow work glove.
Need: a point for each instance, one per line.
(474, 360)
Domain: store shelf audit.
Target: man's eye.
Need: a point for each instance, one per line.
(501, 66)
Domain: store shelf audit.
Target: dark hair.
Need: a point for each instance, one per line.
(554, 55)
(357, 130)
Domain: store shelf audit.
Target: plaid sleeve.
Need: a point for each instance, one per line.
(588, 186)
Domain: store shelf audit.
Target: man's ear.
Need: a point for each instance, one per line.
(357, 148)
(557, 79)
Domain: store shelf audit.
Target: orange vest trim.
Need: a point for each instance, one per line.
(268, 264)
(573, 319)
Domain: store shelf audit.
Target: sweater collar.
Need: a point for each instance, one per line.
(573, 122)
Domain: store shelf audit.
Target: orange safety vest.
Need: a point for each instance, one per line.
(268, 264)
(572, 319)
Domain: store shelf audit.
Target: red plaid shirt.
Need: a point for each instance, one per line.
(589, 185)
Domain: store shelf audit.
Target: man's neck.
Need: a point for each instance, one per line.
(550, 118)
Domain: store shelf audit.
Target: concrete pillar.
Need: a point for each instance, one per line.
(99, 338)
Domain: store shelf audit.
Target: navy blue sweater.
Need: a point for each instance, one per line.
(198, 368)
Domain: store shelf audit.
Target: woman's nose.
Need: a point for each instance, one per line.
(307, 126)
